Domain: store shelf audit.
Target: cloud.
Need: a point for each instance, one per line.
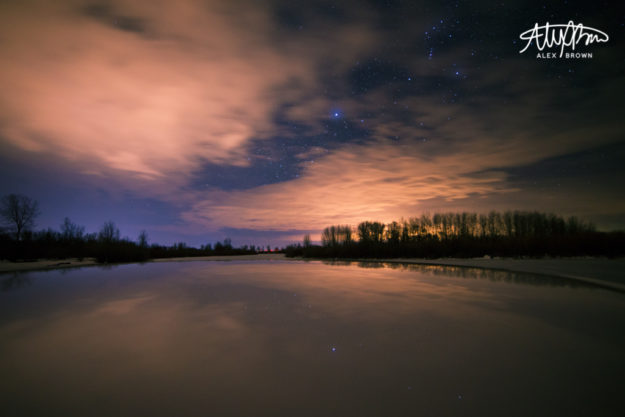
(382, 181)
(124, 102)
(430, 154)
(153, 100)
(128, 89)
(387, 180)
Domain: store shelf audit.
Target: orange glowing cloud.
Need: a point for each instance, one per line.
(448, 157)
(384, 181)
(148, 97)
(143, 97)
(126, 102)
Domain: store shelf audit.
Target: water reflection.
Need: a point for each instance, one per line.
(305, 339)
(472, 273)
(14, 281)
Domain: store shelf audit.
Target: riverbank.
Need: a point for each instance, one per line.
(45, 264)
(609, 273)
(48, 264)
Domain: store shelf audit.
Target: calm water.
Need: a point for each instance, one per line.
(307, 339)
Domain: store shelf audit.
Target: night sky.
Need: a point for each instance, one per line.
(265, 120)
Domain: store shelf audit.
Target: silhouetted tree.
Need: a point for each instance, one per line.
(71, 231)
(393, 233)
(517, 233)
(337, 236)
(108, 233)
(19, 212)
(371, 232)
(143, 239)
(483, 224)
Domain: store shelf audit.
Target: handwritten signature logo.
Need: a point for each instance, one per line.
(562, 36)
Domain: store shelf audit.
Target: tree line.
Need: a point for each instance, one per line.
(510, 233)
(18, 240)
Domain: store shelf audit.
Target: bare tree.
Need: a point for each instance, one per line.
(143, 239)
(72, 231)
(393, 232)
(371, 232)
(19, 212)
(108, 233)
(337, 235)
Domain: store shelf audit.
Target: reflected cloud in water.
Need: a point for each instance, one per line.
(303, 338)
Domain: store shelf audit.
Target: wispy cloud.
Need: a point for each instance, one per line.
(430, 154)
(147, 100)
(127, 88)
(382, 180)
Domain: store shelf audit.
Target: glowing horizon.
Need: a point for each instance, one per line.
(200, 120)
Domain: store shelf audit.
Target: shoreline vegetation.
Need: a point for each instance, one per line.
(106, 246)
(19, 243)
(441, 236)
(51, 245)
(466, 235)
